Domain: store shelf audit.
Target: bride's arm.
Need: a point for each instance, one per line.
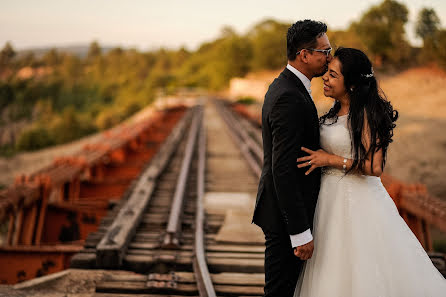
(321, 158)
(338, 162)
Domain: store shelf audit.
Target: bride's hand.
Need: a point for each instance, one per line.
(319, 158)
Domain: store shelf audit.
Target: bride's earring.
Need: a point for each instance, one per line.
(351, 89)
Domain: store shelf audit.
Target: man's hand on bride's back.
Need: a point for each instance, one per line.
(305, 251)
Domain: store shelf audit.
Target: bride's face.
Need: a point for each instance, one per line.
(334, 80)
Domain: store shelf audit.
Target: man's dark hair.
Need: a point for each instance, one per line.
(303, 34)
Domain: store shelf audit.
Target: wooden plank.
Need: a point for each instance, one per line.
(83, 260)
(155, 245)
(171, 288)
(238, 290)
(161, 253)
(145, 287)
(151, 235)
(188, 253)
(235, 248)
(130, 277)
(110, 250)
(144, 245)
(216, 265)
(227, 278)
(174, 288)
(235, 265)
(135, 295)
(233, 255)
(152, 259)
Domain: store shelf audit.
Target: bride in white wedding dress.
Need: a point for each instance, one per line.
(362, 247)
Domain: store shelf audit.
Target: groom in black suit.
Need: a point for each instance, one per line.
(286, 197)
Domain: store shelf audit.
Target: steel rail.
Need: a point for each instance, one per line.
(173, 230)
(204, 282)
(253, 146)
(241, 139)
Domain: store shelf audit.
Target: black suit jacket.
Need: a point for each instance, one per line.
(286, 197)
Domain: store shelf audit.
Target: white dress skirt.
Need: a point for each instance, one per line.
(362, 246)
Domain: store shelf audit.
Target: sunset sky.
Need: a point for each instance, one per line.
(148, 24)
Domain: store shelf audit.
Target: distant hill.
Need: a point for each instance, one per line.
(77, 50)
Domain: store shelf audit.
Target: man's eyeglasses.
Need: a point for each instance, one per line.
(326, 51)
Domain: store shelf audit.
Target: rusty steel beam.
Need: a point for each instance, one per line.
(42, 215)
(67, 169)
(426, 207)
(16, 197)
(22, 263)
(29, 225)
(25, 205)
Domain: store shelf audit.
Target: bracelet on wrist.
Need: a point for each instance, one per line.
(344, 166)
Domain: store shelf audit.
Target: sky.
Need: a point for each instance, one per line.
(148, 24)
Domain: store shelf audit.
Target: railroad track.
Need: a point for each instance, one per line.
(159, 237)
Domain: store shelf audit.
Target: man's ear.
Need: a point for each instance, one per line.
(303, 56)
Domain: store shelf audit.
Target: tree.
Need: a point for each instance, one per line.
(268, 40)
(28, 59)
(70, 68)
(7, 54)
(427, 23)
(381, 29)
(440, 37)
(348, 38)
(51, 58)
(94, 51)
(34, 138)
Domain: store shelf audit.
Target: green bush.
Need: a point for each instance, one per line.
(70, 126)
(33, 139)
(246, 100)
(440, 246)
(7, 150)
(108, 118)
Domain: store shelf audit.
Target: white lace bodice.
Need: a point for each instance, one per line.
(336, 139)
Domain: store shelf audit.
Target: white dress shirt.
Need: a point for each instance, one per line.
(306, 236)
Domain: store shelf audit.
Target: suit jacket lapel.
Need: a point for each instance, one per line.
(291, 76)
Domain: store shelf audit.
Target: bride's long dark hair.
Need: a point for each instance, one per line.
(361, 85)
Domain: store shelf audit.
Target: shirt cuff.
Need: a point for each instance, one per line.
(301, 238)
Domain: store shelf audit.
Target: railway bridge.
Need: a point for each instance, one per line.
(158, 207)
